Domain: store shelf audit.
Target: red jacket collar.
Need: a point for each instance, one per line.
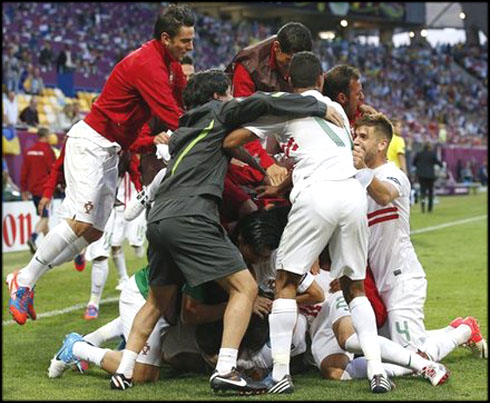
(167, 57)
(273, 64)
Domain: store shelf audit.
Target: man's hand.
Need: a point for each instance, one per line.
(315, 268)
(276, 174)
(25, 195)
(367, 110)
(334, 286)
(161, 138)
(268, 192)
(358, 155)
(333, 116)
(262, 306)
(43, 204)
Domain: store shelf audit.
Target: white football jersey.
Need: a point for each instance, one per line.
(391, 252)
(320, 150)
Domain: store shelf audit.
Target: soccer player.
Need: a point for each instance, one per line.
(36, 166)
(139, 85)
(398, 274)
(334, 342)
(184, 234)
(329, 207)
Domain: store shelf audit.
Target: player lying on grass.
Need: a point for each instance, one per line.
(398, 274)
(257, 235)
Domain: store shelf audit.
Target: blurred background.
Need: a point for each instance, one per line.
(424, 64)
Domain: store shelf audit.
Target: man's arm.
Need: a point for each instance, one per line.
(236, 112)
(382, 192)
(243, 155)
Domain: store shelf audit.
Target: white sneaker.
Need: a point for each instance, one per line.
(436, 373)
(137, 205)
(121, 284)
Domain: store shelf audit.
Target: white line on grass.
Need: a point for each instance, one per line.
(62, 311)
(449, 224)
(113, 299)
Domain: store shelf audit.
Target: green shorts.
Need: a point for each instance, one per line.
(192, 249)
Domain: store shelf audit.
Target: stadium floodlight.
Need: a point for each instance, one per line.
(328, 35)
(411, 34)
(424, 33)
(344, 23)
(462, 15)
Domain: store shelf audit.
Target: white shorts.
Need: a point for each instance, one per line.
(130, 303)
(405, 305)
(327, 212)
(102, 247)
(323, 340)
(91, 177)
(133, 231)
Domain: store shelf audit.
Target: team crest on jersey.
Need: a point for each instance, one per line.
(146, 349)
(89, 206)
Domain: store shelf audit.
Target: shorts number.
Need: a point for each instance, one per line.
(341, 304)
(404, 331)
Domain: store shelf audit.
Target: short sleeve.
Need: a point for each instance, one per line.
(266, 126)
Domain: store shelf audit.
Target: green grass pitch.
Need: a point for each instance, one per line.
(454, 258)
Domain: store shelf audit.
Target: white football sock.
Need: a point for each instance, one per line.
(109, 331)
(281, 324)
(226, 360)
(439, 346)
(152, 188)
(357, 369)
(438, 332)
(100, 270)
(57, 240)
(84, 351)
(390, 352)
(126, 366)
(364, 323)
(120, 262)
(70, 252)
(139, 251)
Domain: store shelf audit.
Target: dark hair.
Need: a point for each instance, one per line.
(201, 87)
(187, 60)
(379, 121)
(337, 80)
(294, 37)
(42, 132)
(172, 19)
(262, 230)
(304, 70)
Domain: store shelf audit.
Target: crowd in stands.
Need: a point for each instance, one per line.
(420, 85)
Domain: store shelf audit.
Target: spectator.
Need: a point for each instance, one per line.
(11, 64)
(10, 110)
(67, 118)
(29, 115)
(10, 191)
(483, 174)
(34, 84)
(46, 57)
(64, 62)
(467, 173)
(36, 167)
(425, 161)
(396, 149)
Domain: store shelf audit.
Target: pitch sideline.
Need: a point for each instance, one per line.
(113, 299)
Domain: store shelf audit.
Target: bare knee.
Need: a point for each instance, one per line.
(86, 230)
(333, 366)
(145, 373)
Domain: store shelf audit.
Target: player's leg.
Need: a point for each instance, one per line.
(304, 237)
(348, 249)
(91, 174)
(430, 190)
(108, 332)
(423, 193)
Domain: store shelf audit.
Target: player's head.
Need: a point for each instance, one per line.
(43, 134)
(306, 71)
(291, 38)
(174, 29)
(397, 126)
(258, 234)
(206, 86)
(187, 66)
(343, 85)
(373, 134)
